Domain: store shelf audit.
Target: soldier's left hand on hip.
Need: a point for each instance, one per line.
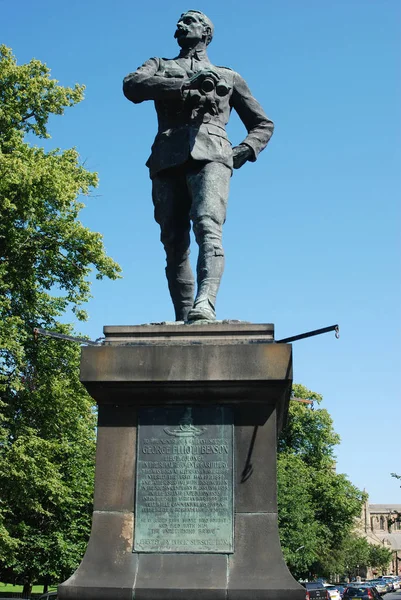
(241, 154)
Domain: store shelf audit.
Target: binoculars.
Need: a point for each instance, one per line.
(209, 85)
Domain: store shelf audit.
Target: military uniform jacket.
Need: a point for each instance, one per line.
(192, 123)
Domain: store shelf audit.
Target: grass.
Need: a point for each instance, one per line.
(36, 589)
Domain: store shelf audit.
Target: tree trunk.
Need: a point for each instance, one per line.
(27, 589)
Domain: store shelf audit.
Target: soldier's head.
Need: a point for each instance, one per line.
(193, 26)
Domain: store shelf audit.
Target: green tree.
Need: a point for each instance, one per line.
(379, 557)
(299, 531)
(354, 555)
(47, 437)
(320, 503)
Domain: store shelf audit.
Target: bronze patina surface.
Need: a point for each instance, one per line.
(192, 159)
(184, 485)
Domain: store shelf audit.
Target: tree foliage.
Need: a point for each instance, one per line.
(317, 506)
(379, 557)
(299, 531)
(46, 469)
(355, 554)
(46, 257)
(352, 556)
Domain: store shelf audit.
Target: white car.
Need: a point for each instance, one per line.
(392, 579)
(333, 591)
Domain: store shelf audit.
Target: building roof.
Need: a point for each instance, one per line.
(384, 508)
(394, 539)
(391, 539)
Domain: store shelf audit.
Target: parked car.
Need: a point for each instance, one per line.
(341, 587)
(361, 592)
(315, 590)
(49, 596)
(333, 591)
(381, 585)
(392, 580)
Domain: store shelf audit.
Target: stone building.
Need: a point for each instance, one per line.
(380, 526)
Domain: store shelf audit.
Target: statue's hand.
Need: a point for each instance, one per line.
(241, 154)
(195, 82)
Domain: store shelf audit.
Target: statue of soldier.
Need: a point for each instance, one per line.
(192, 159)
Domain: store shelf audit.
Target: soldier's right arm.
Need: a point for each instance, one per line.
(148, 83)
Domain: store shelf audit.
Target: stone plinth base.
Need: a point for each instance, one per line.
(237, 365)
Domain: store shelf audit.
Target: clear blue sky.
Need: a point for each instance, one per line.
(312, 233)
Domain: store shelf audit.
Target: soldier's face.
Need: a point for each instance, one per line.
(190, 30)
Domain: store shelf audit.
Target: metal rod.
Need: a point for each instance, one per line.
(308, 334)
(62, 336)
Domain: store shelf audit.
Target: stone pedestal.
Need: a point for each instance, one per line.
(232, 365)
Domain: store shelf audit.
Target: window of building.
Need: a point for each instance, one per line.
(381, 522)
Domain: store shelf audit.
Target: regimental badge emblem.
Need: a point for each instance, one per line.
(186, 427)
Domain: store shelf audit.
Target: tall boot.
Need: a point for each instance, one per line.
(210, 269)
(182, 295)
(181, 285)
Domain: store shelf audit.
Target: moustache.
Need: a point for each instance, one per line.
(180, 30)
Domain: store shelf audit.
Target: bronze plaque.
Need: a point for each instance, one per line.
(184, 480)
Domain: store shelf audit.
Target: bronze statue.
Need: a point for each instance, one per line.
(192, 159)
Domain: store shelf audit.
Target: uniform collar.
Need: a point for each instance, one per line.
(197, 53)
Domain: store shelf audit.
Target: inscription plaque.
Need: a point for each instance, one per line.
(184, 482)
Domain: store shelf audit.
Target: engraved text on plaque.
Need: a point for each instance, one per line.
(184, 484)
